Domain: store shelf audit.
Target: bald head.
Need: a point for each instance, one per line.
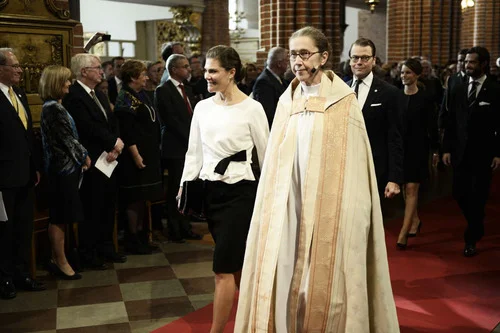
(277, 60)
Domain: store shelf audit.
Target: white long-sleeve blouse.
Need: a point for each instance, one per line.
(219, 131)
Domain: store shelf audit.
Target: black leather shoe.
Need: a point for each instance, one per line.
(192, 235)
(179, 240)
(470, 250)
(29, 284)
(115, 257)
(7, 290)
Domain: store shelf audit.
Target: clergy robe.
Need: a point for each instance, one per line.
(338, 278)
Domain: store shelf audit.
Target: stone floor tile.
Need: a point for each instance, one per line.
(130, 275)
(151, 290)
(89, 295)
(91, 315)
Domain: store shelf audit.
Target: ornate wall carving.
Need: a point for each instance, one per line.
(41, 34)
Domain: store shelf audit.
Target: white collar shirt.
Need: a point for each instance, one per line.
(363, 89)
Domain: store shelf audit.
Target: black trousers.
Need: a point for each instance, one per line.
(178, 225)
(16, 233)
(98, 194)
(471, 188)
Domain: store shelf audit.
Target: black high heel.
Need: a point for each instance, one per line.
(418, 230)
(402, 246)
(54, 269)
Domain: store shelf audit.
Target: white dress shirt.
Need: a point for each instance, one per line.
(219, 131)
(118, 84)
(363, 89)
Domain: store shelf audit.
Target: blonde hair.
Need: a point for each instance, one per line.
(52, 81)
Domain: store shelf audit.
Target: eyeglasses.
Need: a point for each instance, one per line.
(303, 54)
(15, 66)
(363, 58)
(97, 68)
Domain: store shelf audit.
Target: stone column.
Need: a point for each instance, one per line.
(215, 30)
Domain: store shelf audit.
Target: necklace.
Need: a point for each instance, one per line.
(152, 113)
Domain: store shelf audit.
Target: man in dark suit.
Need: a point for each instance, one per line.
(98, 132)
(380, 103)
(115, 82)
(459, 77)
(270, 84)
(471, 142)
(18, 170)
(174, 102)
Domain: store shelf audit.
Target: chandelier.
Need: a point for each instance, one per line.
(372, 4)
(237, 21)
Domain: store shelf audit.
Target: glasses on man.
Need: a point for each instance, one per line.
(363, 58)
(303, 54)
(15, 66)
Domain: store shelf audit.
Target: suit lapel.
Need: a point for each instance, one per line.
(89, 101)
(12, 109)
(373, 93)
(178, 100)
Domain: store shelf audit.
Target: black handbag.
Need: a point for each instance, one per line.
(193, 198)
(192, 201)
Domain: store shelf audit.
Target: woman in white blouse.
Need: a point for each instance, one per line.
(226, 124)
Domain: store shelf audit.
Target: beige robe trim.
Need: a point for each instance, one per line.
(349, 285)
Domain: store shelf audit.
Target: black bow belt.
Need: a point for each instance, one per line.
(221, 167)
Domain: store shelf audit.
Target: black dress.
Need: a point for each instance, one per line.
(140, 126)
(64, 157)
(419, 136)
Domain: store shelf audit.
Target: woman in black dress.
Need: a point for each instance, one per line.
(65, 158)
(418, 138)
(140, 178)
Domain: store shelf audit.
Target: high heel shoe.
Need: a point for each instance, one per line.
(402, 246)
(418, 230)
(54, 269)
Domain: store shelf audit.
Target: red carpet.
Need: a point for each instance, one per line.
(435, 287)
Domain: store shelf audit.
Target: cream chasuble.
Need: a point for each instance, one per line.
(316, 258)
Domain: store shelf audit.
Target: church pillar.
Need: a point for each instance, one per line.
(215, 30)
(423, 28)
(481, 26)
(280, 18)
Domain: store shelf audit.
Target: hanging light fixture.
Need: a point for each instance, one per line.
(372, 4)
(467, 4)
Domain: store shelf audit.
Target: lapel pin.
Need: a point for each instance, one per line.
(375, 90)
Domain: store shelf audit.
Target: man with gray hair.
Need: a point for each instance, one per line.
(19, 176)
(270, 84)
(98, 132)
(175, 104)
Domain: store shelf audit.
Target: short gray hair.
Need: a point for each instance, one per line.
(3, 52)
(173, 60)
(275, 55)
(82, 60)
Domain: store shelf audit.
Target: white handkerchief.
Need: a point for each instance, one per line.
(103, 165)
(483, 103)
(376, 104)
(3, 212)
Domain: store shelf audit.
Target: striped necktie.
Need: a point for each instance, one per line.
(471, 97)
(96, 100)
(21, 112)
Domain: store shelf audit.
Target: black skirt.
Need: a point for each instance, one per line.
(65, 206)
(229, 211)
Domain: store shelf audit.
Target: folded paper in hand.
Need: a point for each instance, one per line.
(106, 167)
